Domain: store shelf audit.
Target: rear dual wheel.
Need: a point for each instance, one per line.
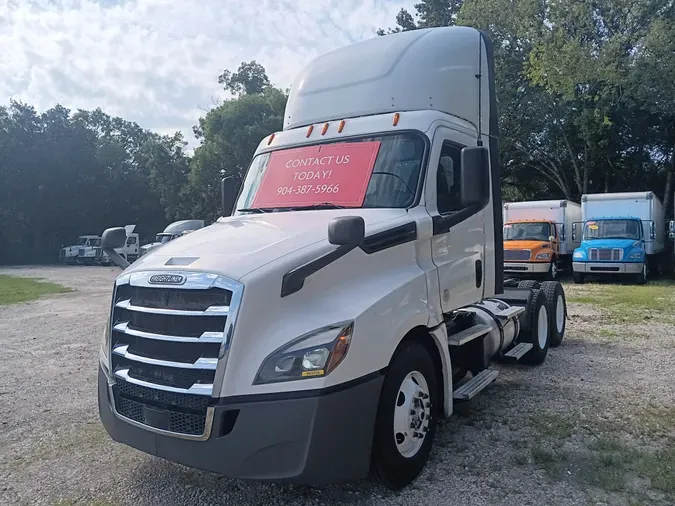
(556, 305)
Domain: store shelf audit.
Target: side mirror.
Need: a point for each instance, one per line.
(228, 194)
(347, 231)
(475, 175)
(574, 232)
(671, 227)
(562, 232)
(115, 238)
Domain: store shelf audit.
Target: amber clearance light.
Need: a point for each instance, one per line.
(341, 126)
(309, 130)
(397, 116)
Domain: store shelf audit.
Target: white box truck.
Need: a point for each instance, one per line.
(621, 234)
(351, 293)
(538, 237)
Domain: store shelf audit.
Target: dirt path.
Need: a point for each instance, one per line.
(594, 425)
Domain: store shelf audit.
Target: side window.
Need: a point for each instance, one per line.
(131, 240)
(448, 180)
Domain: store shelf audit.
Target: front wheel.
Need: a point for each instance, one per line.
(641, 278)
(406, 421)
(552, 273)
(579, 278)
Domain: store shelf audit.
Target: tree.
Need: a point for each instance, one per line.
(250, 78)
(230, 133)
(429, 14)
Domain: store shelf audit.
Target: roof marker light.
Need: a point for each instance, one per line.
(341, 126)
(324, 129)
(397, 116)
(269, 141)
(309, 130)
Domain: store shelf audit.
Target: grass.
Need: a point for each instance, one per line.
(15, 289)
(608, 455)
(627, 302)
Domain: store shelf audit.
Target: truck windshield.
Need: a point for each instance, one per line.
(378, 171)
(612, 229)
(533, 231)
(82, 241)
(162, 238)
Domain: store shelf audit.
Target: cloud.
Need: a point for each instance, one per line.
(156, 62)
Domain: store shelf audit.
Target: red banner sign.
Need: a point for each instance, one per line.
(335, 173)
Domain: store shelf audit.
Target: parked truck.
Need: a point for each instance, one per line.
(70, 254)
(622, 234)
(352, 292)
(538, 238)
(171, 232)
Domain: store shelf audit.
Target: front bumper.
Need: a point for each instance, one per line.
(527, 267)
(303, 437)
(607, 267)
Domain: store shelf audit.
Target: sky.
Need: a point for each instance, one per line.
(156, 62)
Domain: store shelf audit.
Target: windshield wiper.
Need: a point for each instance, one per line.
(252, 210)
(324, 205)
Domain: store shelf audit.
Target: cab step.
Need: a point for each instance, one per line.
(518, 351)
(466, 335)
(475, 385)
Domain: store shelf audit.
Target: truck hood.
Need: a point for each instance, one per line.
(237, 245)
(608, 243)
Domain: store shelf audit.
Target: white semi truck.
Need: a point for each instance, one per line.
(351, 294)
(70, 254)
(172, 231)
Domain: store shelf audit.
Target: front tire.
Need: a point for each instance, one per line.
(641, 279)
(552, 273)
(579, 278)
(406, 422)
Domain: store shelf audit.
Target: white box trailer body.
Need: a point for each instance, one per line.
(564, 213)
(359, 266)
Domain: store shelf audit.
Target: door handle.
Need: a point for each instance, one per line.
(479, 273)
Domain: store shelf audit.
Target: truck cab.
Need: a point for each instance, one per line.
(171, 232)
(81, 252)
(531, 247)
(351, 293)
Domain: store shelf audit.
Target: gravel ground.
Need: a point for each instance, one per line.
(584, 428)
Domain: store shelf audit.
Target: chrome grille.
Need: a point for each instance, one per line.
(167, 343)
(605, 254)
(517, 255)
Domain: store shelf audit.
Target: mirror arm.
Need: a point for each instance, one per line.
(121, 262)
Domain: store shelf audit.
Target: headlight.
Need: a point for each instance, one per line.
(578, 254)
(635, 255)
(309, 356)
(543, 256)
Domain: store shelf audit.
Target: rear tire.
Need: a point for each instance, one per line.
(539, 333)
(557, 310)
(530, 284)
(400, 451)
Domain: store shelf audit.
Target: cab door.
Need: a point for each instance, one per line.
(458, 241)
